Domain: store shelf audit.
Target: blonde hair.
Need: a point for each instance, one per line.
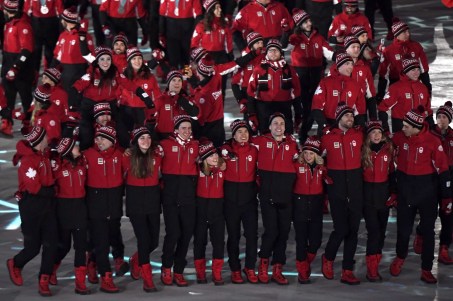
(366, 150)
(36, 108)
(206, 169)
(318, 159)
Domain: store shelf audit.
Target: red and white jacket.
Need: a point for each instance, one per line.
(210, 101)
(276, 156)
(405, 95)
(241, 165)
(49, 120)
(104, 168)
(67, 49)
(343, 23)
(127, 96)
(309, 51)
(70, 178)
(217, 39)
(151, 180)
(241, 76)
(447, 142)
(185, 9)
(343, 149)
(131, 9)
(179, 158)
(33, 8)
(18, 35)
(382, 165)
(211, 187)
(308, 181)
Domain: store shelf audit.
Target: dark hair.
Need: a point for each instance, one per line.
(107, 77)
(142, 163)
(209, 19)
(143, 73)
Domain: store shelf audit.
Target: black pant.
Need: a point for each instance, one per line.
(129, 118)
(248, 216)
(214, 131)
(21, 86)
(102, 231)
(126, 25)
(385, 7)
(307, 221)
(405, 222)
(146, 230)
(321, 15)
(70, 74)
(346, 223)
(376, 226)
(309, 79)
(277, 224)
(97, 26)
(179, 228)
(79, 237)
(446, 231)
(178, 33)
(45, 34)
(216, 235)
(39, 228)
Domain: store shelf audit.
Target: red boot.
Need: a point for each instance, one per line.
(236, 277)
(303, 271)
(44, 289)
(348, 277)
(310, 258)
(396, 266)
(277, 275)
(147, 275)
(6, 128)
(200, 270)
(372, 268)
(165, 276)
(327, 268)
(217, 265)
(107, 285)
(80, 277)
(379, 257)
(179, 280)
(121, 267)
(53, 277)
(92, 272)
(263, 276)
(14, 273)
(428, 277)
(135, 268)
(444, 257)
(418, 244)
(251, 276)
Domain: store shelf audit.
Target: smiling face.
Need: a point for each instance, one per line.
(309, 156)
(274, 54)
(277, 128)
(241, 135)
(346, 121)
(137, 62)
(184, 130)
(213, 159)
(375, 136)
(103, 143)
(346, 68)
(353, 50)
(175, 85)
(413, 74)
(217, 10)
(144, 142)
(104, 62)
(119, 47)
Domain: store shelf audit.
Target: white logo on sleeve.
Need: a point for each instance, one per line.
(318, 90)
(31, 173)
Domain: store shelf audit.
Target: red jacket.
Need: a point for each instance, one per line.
(274, 156)
(166, 110)
(128, 97)
(343, 23)
(34, 169)
(421, 154)
(186, 9)
(241, 163)
(210, 101)
(336, 88)
(179, 159)
(343, 148)
(67, 50)
(33, 8)
(264, 20)
(394, 54)
(70, 179)
(51, 122)
(104, 167)
(59, 99)
(274, 79)
(309, 182)
(217, 39)
(363, 76)
(91, 88)
(405, 95)
(18, 35)
(151, 180)
(309, 51)
(210, 187)
(131, 9)
(383, 165)
(447, 142)
(120, 61)
(241, 76)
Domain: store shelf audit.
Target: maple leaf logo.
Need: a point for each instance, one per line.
(31, 173)
(318, 90)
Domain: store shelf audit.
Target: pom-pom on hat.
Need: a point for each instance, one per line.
(180, 119)
(206, 148)
(447, 110)
(416, 117)
(313, 143)
(65, 146)
(342, 58)
(42, 93)
(137, 132)
(35, 136)
(54, 74)
(70, 15)
(133, 52)
(300, 16)
(374, 125)
(107, 132)
(341, 110)
(101, 108)
(236, 125)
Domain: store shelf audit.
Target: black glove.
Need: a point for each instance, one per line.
(144, 97)
(382, 85)
(188, 106)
